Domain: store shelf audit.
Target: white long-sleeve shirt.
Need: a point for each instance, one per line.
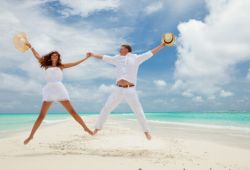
(127, 66)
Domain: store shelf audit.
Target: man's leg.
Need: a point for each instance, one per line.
(113, 101)
(134, 103)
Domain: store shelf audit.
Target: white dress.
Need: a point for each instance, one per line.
(54, 90)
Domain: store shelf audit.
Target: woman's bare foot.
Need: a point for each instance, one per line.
(148, 136)
(90, 132)
(26, 141)
(95, 131)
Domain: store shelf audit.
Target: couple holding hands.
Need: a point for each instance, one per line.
(126, 67)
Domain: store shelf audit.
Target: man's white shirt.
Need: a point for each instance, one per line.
(127, 66)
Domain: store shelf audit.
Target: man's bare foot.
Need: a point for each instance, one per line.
(26, 141)
(95, 131)
(148, 136)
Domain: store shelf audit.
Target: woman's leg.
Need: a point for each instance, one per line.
(73, 113)
(44, 109)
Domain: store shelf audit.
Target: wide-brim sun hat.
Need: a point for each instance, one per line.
(168, 39)
(20, 40)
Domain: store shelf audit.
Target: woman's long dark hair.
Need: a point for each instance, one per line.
(46, 61)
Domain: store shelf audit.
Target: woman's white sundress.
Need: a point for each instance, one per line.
(54, 90)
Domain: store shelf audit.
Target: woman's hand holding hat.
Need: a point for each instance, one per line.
(20, 42)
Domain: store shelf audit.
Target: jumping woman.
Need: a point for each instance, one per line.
(54, 90)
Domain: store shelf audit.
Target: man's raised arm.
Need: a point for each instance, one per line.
(145, 56)
(105, 58)
(98, 56)
(157, 49)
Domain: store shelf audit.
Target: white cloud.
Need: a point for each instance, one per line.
(14, 83)
(212, 97)
(84, 94)
(89, 94)
(208, 50)
(187, 94)
(106, 88)
(224, 93)
(153, 7)
(177, 85)
(180, 6)
(198, 99)
(160, 83)
(168, 9)
(86, 7)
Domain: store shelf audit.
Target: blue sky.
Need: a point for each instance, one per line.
(207, 69)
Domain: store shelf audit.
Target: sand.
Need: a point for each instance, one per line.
(121, 145)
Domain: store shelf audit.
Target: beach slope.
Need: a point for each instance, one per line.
(121, 145)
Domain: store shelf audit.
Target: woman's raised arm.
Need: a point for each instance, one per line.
(68, 65)
(35, 53)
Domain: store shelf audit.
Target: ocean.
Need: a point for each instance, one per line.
(14, 122)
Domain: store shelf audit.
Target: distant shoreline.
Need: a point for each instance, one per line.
(236, 123)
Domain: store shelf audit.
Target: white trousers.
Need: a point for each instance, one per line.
(117, 96)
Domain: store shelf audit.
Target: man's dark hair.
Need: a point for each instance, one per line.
(128, 47)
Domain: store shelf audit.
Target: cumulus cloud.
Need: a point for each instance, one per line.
(106, 88)
(153, 7)
(224, 93)
(86, 7)
(209, 50)
(177, 85)
(14, 83)
(160, 83)
(187, 94)
(197, 99)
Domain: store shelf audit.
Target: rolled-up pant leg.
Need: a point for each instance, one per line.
(134, 103)
(113, 101)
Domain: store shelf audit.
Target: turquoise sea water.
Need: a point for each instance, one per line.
(13, 122)
(226, 120)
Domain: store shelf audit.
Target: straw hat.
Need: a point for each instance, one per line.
(20, 40)
(168, 39)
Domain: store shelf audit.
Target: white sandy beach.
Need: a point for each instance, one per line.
(121, 145)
